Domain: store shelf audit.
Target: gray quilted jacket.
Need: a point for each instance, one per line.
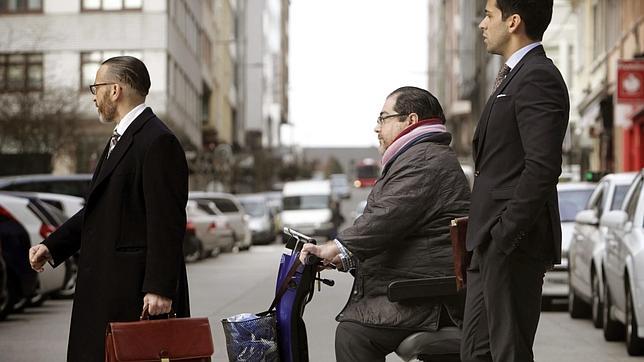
(404, 234)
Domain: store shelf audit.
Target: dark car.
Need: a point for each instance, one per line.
(21, 281)
(4, 293)
(55, 217)
(75, 185)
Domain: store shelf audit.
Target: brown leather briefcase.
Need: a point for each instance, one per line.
(462, 257)
(172, 339)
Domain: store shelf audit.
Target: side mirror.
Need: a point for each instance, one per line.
(615, 219)
(587, 217)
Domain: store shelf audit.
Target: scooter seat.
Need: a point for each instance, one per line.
(442, 345)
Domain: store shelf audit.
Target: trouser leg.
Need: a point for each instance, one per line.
(512, 294)
(354, 342)
(475, 344)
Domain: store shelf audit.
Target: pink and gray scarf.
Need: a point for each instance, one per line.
(410, 136)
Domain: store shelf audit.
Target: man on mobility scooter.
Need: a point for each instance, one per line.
(403, 235)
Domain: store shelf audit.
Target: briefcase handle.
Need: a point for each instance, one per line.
(145, 315)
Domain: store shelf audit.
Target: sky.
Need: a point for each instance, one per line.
(345, 57)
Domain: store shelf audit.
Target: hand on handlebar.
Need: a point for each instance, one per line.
(328, 252)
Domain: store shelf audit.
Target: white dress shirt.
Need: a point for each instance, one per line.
(127, 120)
(519, 54)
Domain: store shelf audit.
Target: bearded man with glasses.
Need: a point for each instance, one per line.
(132, 227)
(403, 233)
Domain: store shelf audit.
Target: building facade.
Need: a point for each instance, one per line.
(59, 44)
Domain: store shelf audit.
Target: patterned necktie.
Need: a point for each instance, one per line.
(499, 77)
(115, 138)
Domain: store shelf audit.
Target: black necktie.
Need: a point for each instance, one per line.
(499, 77)
(115, 138)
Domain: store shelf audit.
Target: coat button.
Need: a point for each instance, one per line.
(477, 173)
(355, 292)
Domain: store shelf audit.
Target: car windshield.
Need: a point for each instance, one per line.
(254, 208)
(307, 202)
(571, 202)
(618, 197)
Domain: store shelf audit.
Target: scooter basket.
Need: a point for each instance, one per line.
(251, 338)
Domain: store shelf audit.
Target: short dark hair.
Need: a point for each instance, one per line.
(131, 71)
(419, 101)
(535, 14)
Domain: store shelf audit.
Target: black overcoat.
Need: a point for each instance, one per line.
(130, 234)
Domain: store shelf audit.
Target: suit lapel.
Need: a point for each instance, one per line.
(108, 165)
(481, 127)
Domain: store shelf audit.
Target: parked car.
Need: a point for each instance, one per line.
(39, 220)
(573, 197)
(21, 282)
(585, 255)
(623, 309)
(4, 290)
(274, 202)
(340, 186)
(212, 229)
(260, 218)
(229, 206)
(307, 208)
(57, 208)
(75, 185)
(67, 204)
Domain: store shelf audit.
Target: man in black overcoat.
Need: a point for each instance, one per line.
(514, 229)
(131, 230)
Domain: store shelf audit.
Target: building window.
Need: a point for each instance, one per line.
(21, 72)
(111, 5)
(91, 61)
(20, 6)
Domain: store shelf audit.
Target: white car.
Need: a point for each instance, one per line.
(573, 197)
(36, 222)
(229, 206)
(212, 230)
(586, 250)
(623, 310)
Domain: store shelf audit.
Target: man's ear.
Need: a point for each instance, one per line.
(514, 22)
(413, 117)
(116, 92)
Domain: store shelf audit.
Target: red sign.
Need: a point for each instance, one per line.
(630, 81)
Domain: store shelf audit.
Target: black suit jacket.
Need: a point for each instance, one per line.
(130, 234)
(517, 156)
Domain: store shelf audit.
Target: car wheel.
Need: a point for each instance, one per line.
(577, 308)
(613, 330)
(70, 285)
(192, 249)
(37, 300)
(4, 302)
(596, 304)
(634, 344)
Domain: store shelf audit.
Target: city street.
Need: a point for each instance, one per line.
(244, 282)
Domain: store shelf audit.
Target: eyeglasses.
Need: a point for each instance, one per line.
(92, 88)
(381, 119)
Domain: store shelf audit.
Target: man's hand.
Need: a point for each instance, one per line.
(38, 256)
(157, 304)
(327, 251)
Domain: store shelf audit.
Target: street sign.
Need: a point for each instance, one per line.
(630, 81)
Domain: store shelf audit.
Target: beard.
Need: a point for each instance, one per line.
(381, 146)
(106, 110)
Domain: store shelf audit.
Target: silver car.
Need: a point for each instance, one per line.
(585, 255)
(623, 309)
(228, 205)
(260, 218)
(573, 197)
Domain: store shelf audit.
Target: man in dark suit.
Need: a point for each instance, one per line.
(514, 228)
(132, 226)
